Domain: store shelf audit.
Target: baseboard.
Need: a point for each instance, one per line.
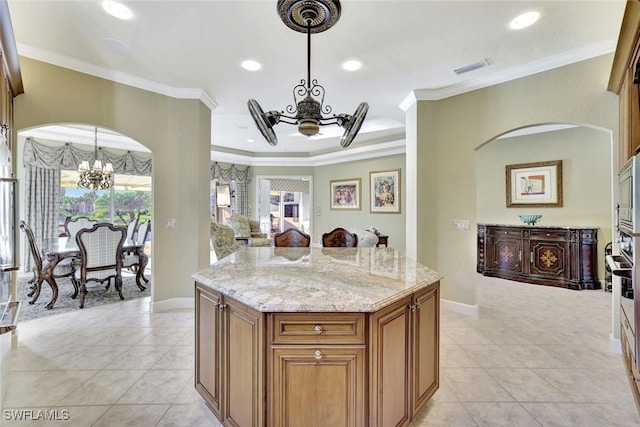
(458, 307)
(615, 345)
(171, 304)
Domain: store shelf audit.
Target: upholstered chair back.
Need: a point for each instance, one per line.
(72, 226)
(339, 237)
(100, 252)
(292, 237)
(143, 232)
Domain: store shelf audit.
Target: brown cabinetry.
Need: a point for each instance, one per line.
(317, 369)
(229, 370)
(404, 361)
(565, 257)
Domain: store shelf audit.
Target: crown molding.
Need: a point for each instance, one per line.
(352, 154)
(65, 61)
(545, 64)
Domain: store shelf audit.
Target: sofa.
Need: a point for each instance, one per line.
(248, 230)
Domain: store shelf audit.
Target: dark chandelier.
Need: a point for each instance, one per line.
(96, 177)
(308, 16)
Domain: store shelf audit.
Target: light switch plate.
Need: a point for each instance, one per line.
(460, 224)
(170, 223)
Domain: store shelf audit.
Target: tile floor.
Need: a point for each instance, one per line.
(535, 356)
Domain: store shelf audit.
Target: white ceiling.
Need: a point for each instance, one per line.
(194, 49)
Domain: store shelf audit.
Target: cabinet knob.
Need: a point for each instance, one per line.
(317, 355)
(317, 330)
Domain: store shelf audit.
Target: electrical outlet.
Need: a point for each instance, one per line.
(170, 223)
(318, 211)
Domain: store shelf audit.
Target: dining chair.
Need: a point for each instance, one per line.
(131, 229)
(131, 260)
(62, 269)
(339, 238)
(292, 238)
(100, 256)
(72, 225)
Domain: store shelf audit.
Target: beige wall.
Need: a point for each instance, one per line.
(392, 225)
(448, 133)
(177, 131)
(586, 181)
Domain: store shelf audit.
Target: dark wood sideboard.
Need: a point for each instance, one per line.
(552, 256)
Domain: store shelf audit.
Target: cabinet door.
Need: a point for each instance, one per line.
(426, 364)
(390, 365)
(208, 344)
(507, 254)
(549, 259)
(317, 386)
(243, 345)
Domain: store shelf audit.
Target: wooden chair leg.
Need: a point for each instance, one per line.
(119, 287)
(36, 289)
(83, 292)
(74, 282)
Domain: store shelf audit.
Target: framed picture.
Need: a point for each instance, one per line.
(385, 191)
(534, 184)
(345, 194)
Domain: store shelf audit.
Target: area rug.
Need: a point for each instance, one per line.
(96, 295)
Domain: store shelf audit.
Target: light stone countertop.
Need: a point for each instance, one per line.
(316, 279)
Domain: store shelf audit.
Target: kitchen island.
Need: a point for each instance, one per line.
(317, 337)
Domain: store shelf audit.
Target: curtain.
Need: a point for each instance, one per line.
(241, 178)
(42, 199)
(69, 157)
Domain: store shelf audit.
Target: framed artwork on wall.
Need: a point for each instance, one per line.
(385, 191)
(345, 194)
(534, 184)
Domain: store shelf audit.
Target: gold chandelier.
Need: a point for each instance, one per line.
(96, 177)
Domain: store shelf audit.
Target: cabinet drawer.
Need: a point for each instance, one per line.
(549, 234)
(293, 328)
(504, 232)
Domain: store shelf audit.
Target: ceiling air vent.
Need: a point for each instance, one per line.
(471, 67)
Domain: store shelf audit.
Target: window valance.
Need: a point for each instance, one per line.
(69, 157)
(230, 174)
(293, 185)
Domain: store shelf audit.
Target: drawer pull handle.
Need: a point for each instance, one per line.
(548, 234)
(317, 330)
(317, 355)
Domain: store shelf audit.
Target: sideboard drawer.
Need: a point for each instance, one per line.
(549, 234)
(297, 328)
(506, 232)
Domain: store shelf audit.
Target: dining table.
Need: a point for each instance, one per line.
(59, 248)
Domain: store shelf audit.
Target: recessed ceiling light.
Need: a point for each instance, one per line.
(116, 9)
(251, 65)
(249, 140)
(524, 20)
(352, 65)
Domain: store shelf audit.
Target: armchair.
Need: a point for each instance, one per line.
(248, 229)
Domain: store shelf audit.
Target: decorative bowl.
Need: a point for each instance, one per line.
(530, 219)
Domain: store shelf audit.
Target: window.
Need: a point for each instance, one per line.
(120, 204)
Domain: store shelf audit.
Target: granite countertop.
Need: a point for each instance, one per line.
(316, 279)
